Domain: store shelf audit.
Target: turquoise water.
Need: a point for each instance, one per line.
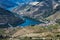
(9, 4)
(29, 22)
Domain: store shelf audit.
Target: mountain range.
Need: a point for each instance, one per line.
(38, 9)
(35, 9)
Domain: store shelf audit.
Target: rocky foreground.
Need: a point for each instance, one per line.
(51, 32)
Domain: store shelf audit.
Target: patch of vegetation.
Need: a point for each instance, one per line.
(2, 31)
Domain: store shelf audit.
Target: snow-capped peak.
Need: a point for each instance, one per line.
(33, 3)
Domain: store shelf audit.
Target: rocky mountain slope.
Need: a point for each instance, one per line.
(38, 9)
(54, 16)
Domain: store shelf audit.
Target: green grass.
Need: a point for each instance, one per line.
(2, 31)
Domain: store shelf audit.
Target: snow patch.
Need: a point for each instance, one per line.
(33, 3)
(55, 6)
